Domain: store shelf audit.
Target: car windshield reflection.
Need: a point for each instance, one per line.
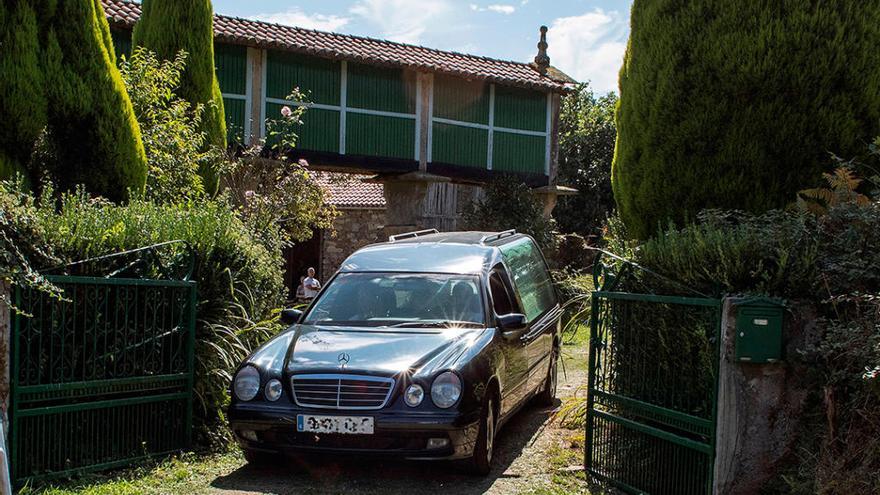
(400, 300)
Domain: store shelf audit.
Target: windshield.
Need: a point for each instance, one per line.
(399, 300)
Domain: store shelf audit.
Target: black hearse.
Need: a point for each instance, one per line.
(421, 347)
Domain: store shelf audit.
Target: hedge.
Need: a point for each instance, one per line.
(736, 105)
(23, 102)
(91, 120)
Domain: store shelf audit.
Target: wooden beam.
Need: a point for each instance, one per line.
(254, 118)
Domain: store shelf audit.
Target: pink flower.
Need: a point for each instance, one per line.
(286, 111)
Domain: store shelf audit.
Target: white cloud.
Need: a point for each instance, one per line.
(495, 7)
(502, 9)
(590, 46)
(402, 20)
(296, 17)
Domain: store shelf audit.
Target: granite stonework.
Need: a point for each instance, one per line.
(353, 229)
(761, 406)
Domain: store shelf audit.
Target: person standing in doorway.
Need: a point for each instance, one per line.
(311, 285)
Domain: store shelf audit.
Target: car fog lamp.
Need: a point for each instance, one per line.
(273, 390)
(437, 443)
(446, 390)
(247, 383)
(414, 395)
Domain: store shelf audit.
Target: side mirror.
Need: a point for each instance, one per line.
(290, 316)
(512, 325)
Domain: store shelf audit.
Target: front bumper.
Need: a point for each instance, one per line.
(401, 434)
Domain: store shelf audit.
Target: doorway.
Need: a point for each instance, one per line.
(298, 258)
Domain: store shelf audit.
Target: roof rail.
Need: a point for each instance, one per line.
(496, 236)
(409, 235)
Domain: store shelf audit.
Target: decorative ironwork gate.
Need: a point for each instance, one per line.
(652, 392)
(101, 377)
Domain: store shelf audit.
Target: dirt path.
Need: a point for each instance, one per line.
(524, 454)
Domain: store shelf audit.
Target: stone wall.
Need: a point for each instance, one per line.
(354, 229)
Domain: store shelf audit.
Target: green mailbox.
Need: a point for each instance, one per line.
(759, 331)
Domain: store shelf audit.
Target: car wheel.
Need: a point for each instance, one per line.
(547, 396)
(484, 449)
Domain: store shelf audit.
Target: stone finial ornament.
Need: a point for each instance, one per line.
(542, 61)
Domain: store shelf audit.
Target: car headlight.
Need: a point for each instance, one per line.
(273, 390)
(446, 390)
(247, 383)
(414, 395)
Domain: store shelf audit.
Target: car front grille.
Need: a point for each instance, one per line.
(341, 391)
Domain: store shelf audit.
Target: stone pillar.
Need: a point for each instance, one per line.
(759, 405)
(549, 195)
(405, 197)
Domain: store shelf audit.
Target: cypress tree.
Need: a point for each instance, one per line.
(168, 26)
(22, 99)
(732, 104)
(91, 120)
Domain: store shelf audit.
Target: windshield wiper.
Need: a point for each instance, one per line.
(435, 324)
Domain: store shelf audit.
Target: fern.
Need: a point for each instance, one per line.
(842, 189)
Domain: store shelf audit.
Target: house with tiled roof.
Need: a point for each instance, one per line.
(428, 126)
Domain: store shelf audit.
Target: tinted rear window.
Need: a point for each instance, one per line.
(530, 276)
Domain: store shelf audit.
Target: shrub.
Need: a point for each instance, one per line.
(586, 149)
(91, 120)
(167, 27)
(22, 243)
(509, 204)
(170, 126)
(239, 280)
(733, 105)
(23, 104)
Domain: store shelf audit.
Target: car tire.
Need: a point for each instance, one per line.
(547, 396)
(480, 463)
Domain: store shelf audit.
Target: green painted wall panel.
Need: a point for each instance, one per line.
(388, 90)
(520, 109)
(462, 100)
(318, 78)
(457, 145)
(375, 135)
(235, 119)
(518, 153)
(320, 129)
(121, 43)
(230, 62)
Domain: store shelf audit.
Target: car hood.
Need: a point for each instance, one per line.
(387, 352)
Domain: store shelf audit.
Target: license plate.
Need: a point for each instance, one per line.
(345, 425)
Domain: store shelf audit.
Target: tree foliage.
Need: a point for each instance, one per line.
(586, 149)
(734, 105)
(22, 98)
(167, 27)
(509, 204)
(91, 122)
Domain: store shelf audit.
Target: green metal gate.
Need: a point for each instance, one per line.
(652, 392)
(101, 377)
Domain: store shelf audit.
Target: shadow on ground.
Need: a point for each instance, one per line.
(354, 476)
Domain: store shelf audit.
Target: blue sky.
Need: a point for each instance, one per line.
(587, 37)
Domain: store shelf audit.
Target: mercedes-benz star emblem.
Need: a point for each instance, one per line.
(343, 359)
